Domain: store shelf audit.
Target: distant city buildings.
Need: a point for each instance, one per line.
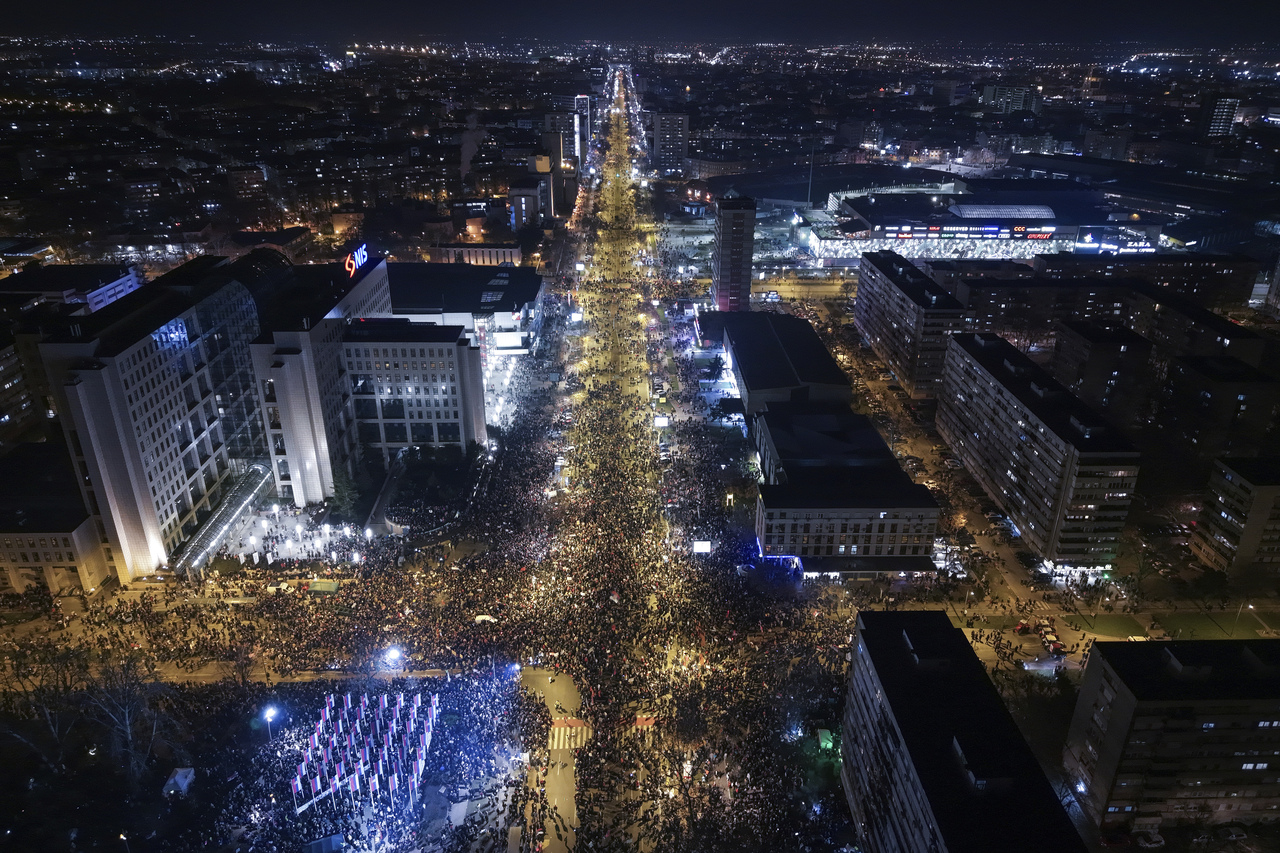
(1177, 733)
(930, 757)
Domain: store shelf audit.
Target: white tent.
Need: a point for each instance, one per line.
(179, 781)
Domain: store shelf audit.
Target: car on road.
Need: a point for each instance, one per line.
(1232, 833)
(953, 464)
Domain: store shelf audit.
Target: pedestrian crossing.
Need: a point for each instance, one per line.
(569, 733)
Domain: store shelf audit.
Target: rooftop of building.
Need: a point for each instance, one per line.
(1100, 334)
(281, 237)
(816, 183)
(287, 297)
(822, 433)
(461, 288)
(41, 495)
(402, 330)
(1257, 470)
(982, 781)
(57, 278)
(735, 202)
(980, 266)
(881, 485)
(1168, 298)
(914, 284)
(1043, 396)
(295, 297)
(1057, 260)
(773, 350)
(1187, 670)
(1045, 282)
(1226, 369)
(1066, 206)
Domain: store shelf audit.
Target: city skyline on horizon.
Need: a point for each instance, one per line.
(1183, 22)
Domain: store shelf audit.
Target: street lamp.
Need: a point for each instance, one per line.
(1237, 622)
(126, 843)
(269, 715)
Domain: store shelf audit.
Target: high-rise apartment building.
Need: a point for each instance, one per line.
(1239, 526)
(732, 254)
(931, 759)
(1064, 477)
(1010, 99)
(585, 107)
(1183, 732)
(1218, 115)
(907, 318)
(670, 142)
(414, 384)
(1107, 367)
(569, 127)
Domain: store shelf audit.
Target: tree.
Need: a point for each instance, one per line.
(714, 369)
(719, 411)
(127, 699)
(41, 683)
(344, 492)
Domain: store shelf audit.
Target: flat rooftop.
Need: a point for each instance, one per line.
(914, 284)
(1224, 368)
(400, 329)
(461, 288)
(820, 433)
(773, 350)
(1042, 395)
(57, 278)
(953, 723)
(1099, 334)
(873, 486)
(1259, 470)
(1186, 670)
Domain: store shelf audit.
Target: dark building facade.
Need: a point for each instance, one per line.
(906, 317)
(732, 254)
(1183, 732)
(932, 761)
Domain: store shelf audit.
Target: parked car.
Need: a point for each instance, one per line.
(1149, 840)
(1232, 833)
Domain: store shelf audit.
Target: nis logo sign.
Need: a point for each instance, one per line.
(355, 260)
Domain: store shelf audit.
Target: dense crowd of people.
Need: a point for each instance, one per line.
(595, 578)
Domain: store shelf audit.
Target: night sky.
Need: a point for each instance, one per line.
(1189, 22)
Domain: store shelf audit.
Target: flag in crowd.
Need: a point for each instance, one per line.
(383, 745)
